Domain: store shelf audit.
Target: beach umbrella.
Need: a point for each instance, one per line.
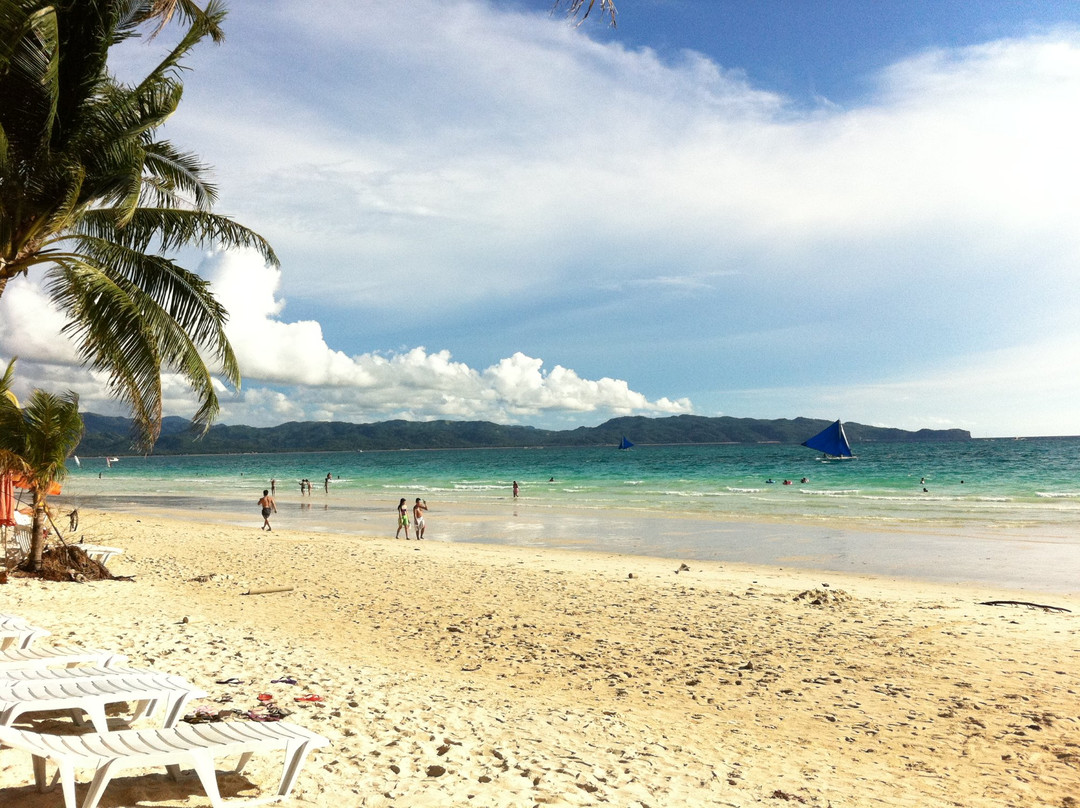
(21, 482)
(7, 501)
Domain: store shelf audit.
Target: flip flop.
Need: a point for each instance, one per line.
(284, 680)
(308, 697)
(265, 697)
(254, 716)
(231, 681)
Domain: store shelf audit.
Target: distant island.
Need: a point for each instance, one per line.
(108, 435)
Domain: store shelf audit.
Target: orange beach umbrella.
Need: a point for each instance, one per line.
(7, 501)
(21, 482)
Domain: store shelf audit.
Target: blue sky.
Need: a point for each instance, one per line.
(771, 209)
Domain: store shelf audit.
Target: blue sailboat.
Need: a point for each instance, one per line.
(832, 442)
(624, 443)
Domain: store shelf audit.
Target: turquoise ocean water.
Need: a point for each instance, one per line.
(1003, 512)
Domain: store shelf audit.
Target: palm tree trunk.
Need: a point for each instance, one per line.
(37, 543)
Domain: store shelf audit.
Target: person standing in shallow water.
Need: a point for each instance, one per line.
(515, 489)
(402, 519)
(268, 506)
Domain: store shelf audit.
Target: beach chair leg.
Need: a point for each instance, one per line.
(39, 773)
(102, 777)
(66, 772)
(295, 752)
(204, 767)
(97, 717)
(244, 758)
(174, 709)
(174, 771)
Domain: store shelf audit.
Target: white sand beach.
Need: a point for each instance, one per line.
(459, 674)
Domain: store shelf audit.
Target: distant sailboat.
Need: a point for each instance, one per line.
(625, 444)
(832, 442)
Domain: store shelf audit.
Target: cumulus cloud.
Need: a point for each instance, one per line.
(413, 383)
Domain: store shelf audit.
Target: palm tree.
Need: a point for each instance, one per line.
(584, 8)
(90, 196)
(35, 443)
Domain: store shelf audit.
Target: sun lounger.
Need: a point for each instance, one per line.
(91, 695)
(15, 658)
(13, 675)
(16, 632)
(195, 745)
(98, 552)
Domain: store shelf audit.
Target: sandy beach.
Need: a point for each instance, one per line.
(460, 674)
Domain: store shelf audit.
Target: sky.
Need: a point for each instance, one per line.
(866, 211)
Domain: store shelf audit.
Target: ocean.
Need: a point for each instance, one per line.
(1001, 512)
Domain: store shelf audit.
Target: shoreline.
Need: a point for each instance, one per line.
(459, 673)
(1041, 559)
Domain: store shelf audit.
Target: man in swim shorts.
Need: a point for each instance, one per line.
(418, 517)
(402, 519)
(268, 507)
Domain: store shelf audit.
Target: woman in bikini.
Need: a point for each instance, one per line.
(402, 519)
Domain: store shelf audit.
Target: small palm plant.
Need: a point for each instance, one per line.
(35, 443)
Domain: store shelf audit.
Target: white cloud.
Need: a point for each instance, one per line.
(372, 386)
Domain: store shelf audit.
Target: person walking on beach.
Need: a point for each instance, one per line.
(402, 519)
(273, 487)
(515, 489)
(268, 506)
(326, 483)
(418, 517)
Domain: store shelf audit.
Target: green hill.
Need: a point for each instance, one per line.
(112, 436)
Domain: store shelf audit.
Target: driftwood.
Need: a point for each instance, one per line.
(1042, 606)
(269, 590)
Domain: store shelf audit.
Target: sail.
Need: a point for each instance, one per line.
(831, 441)
(625, 444)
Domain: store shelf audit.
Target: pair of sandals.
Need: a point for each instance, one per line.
(268, 712)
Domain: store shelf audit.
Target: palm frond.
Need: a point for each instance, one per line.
(170, 229)
(53, 428)
(110, 331)
(182, 173)
(207, 23)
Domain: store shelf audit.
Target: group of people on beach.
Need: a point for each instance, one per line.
(269, 506)
(418, 509)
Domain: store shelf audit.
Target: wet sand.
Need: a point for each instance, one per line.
(477, 674)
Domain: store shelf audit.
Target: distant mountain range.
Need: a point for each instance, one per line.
(107, 435)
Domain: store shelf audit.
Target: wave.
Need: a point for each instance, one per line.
(1058, 494)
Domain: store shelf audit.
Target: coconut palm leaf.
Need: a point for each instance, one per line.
(91, 194)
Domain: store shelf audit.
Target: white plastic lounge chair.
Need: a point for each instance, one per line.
(16, 632)
(195, 745)
(98, 552)
(90, 695)
(15, 658)
(14, 675)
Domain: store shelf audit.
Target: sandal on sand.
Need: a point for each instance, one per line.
(265, 697)
(257, 716)
(308, 697)
(202, 715)
(284, 680)
(230, 681)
